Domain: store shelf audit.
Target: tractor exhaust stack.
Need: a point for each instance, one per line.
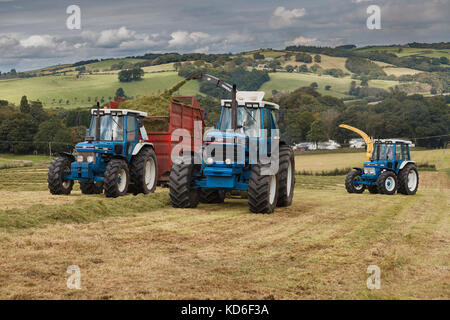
(97, 123)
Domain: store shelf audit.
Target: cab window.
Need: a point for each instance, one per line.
(270, 121)
(398, 152)
(131, 128)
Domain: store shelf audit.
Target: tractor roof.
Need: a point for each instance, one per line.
(392, 141)
(251, 99)
(119, 112)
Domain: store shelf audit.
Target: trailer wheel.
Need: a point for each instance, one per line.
(117, 178)
(286, 176)
(91, 187)
(373, 189)
(144, 171)
(180, 184)
(59, 167)
(262, 191)
(211, 196)
(408, 180)
(350, 179)
(387, 183)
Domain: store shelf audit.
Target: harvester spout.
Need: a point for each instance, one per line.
(368, 140)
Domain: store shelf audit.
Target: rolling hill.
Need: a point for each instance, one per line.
(63, 86)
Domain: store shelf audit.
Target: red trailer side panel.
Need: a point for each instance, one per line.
(184, 112)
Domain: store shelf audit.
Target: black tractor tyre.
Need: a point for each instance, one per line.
(91, 187)
(262, 195)
(387, 183)
(373, 189)
(142, 162)
(211, 196)
(56, 171)
(181, 193)
(286, 176)
(115, 169)
(402, 178)
(349, 182)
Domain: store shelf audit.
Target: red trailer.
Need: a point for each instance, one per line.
(184, 112)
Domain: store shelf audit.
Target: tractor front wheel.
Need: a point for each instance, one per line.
(373, 189)
(117, 178)
(352, 177)
(181, 193)
(387, 183)
(211, 196)
(59, 168)
(262, 191)
(408, 180)
(144, 171)
(286, 178)
(91, 187)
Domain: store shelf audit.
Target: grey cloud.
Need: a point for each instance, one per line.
(35, 34)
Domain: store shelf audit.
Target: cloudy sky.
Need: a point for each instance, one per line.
(34, 33)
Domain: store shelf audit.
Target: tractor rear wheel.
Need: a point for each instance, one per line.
(350, 180)
(286, 176)
(373, 189)
(408, 180)
(91, 187)
(211, 196)
(387, 183)
(181, 193)
(144, 171)
(117, 178)
(262, 191)
(59, 167)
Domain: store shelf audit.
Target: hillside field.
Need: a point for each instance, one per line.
(139, 247)
(70, 87)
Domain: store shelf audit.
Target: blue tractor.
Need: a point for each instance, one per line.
(234, 157)
(388, 170)
(114, 157)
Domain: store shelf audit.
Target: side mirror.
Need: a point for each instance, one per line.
(140, 122)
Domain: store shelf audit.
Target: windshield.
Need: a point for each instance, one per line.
(111, 128)
(248, 121)
(383, 152)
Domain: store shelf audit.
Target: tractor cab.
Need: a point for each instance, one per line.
(112, 133)
(255, 122)
(388, 155)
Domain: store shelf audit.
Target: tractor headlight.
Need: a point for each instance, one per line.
(369, 170)
(227, 161)
(210, 161)
(79, 158)
(90, 158)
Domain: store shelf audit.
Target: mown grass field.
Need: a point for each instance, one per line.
(138, 247)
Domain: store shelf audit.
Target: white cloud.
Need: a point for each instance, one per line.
(183, 38)
(282, 17)
(302, 41)
(36, 41)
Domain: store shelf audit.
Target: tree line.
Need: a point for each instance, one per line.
(306, 115)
